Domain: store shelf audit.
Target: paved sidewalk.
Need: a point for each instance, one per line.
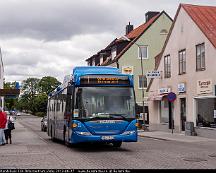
(172, 137)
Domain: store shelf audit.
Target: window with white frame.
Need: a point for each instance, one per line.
(101, 59)
(113, 53)
(143, 51)
(200, 57)
(143, 83)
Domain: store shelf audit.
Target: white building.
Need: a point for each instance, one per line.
(188, 67)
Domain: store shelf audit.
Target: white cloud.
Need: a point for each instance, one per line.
(50, 37)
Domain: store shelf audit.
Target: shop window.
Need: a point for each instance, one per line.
(164, 109)
(206, 109)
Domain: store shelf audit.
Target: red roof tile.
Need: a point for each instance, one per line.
(139, 30)
(205, 18)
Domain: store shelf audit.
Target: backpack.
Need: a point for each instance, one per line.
(11, 125)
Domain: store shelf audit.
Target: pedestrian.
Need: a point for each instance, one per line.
(8, 129)
(3, 121)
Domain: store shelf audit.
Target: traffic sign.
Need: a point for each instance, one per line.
(171, 96)
(153, 74)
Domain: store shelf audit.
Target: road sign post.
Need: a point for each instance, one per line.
(171, 98)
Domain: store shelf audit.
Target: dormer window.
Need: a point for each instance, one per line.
(113, 53)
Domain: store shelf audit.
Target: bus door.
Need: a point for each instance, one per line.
(68, 112)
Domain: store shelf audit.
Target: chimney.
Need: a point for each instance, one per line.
(129, 28)
(151, 14)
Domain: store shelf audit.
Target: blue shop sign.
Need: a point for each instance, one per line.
(181, 88)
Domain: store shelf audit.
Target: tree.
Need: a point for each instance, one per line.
(30, 87)
(35, 94)
(47, 84)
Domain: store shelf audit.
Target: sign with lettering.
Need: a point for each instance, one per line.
(9, 92)
(164, 90)
(204, 86)
(153, 74)
(181, 88)
(127, 69)
(104, 80)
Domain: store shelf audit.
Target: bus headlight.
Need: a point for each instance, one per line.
(129, 132)
(84, 133)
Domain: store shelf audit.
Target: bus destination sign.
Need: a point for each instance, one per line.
(104, 80)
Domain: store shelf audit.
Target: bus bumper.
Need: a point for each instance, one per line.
(130, 136)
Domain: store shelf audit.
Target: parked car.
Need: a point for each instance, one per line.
(18, 113)
(44, 124)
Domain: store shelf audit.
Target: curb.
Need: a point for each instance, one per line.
(154, 138)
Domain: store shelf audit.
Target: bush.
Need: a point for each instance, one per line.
(40, 114)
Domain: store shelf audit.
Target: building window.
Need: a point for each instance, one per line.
(113, 53)
(93, 61)
(143, 51)
(143, 83)
(167, 66)
(200, 57)
(182, 61)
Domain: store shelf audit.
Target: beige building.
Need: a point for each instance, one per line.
(188, 67)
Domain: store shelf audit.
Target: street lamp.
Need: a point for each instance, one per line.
(141, 63)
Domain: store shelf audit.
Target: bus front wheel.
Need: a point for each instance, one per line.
(117, 144)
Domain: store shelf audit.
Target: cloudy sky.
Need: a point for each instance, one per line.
(49, 37)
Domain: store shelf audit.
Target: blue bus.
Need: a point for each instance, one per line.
(94, 104)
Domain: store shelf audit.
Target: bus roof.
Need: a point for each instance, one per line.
(86, 70)
(90, 70)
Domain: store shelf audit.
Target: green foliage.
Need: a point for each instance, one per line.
(35, 94)
(47, 84)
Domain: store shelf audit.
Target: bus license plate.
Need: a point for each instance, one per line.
(107, 137)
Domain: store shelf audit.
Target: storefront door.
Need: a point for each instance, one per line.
(183, 112)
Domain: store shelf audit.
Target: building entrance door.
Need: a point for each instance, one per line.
(183, 112)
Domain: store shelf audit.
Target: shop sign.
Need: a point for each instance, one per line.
(181, 88)
(164, 90)
(153, 74)
(127, 69)
(9, 92)
(204, 86)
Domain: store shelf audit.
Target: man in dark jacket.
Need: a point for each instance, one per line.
(3, 121)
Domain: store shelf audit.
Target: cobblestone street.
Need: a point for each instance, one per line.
(33, 149)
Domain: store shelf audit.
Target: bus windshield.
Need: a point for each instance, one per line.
(105, 102)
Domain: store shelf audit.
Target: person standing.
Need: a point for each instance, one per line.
(3, 121)
(8, 129)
